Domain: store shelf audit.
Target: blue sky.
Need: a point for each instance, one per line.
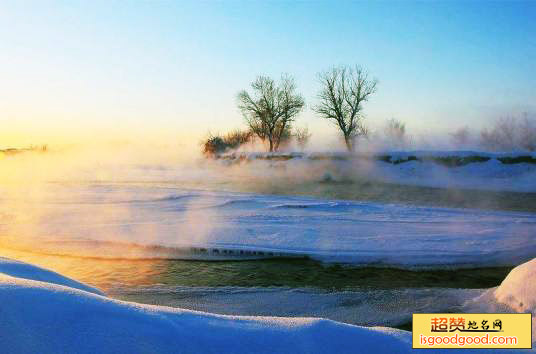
(174, 68)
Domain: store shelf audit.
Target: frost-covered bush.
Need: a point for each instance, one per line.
(302, 137)
(238, 137)
(216, 144)
(527, 134)
(460, 137)
(395, 133)
(509, 134)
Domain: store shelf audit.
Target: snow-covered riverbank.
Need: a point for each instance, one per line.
(439, 169)
(43, 312)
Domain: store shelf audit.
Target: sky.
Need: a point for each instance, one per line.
(128, 70)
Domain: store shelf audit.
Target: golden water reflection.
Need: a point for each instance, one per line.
(101, 273)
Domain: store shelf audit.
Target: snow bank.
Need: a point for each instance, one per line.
(512, 171)
(488, 175)
(517, 293)
(362, 307)
(41, 317)
(27, 271)
(394, 155)
(518, 290)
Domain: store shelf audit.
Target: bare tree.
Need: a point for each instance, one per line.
(502, 136)
(272, 108)
(460, 137)
(527, 133)
(395, 132)
(302, 137)
(344, 89)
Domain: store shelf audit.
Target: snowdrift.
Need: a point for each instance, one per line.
(517, 293)
(518, 290)
(515, 171)
(27, 271)
(43, 317)
(446, 158)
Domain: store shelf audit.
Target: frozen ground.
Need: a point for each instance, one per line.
(38, 315)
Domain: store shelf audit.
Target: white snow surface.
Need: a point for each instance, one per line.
(364, 307)
(27, 271)
(43, 317)
(516, 294)
(518, 290)
(121, 221)
(488, 175)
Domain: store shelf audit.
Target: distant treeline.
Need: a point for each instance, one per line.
(452, 159)
(15, 151)
(271, 107)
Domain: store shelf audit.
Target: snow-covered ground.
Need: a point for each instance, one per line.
(425, 171)
(516, 294)
(123, 221)
(39, 315)
(489, 175)
(147, 216)
(21, 270)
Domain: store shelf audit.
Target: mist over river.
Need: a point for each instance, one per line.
(356, 250)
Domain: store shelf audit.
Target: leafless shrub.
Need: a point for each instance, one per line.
(460, 137)
(216, 144)
(237, 138)
(302, 137)
(395, 132)
(509, 134)
(527, 133)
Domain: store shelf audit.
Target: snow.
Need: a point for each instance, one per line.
(27, 271)
(518, 290)
(488, 175)
(395, 154)
(43, 317)
(456, 153)
(516, 294)
(364, 307)
(145, 221)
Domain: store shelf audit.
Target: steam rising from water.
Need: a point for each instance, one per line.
(128, 196)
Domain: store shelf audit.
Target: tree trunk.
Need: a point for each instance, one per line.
(278, 135)
(271, 144)
(349, 143)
